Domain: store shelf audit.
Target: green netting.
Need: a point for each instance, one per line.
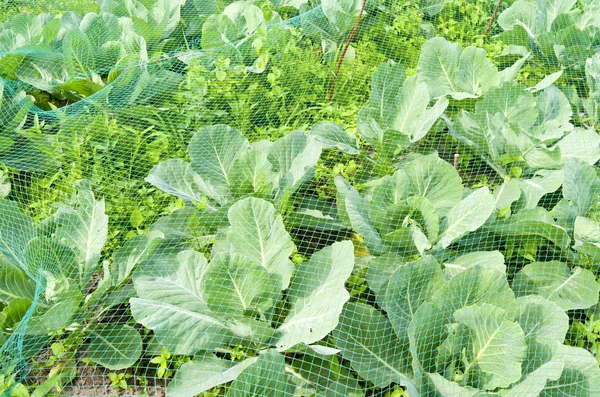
(300, 198)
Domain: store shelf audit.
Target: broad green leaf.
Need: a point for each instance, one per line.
(213, 151)
(554, 119)
(582, 144)
(83, 226)
(14, 284)
(538, 186)
(317, 295)
(432, 7)
(541, 319)
(447, 69)
(409, 286)
(498, 347)
(367, 339)
(569, 289)
(233, 283)
(551, 9)
(449, 388)
(258, 233)
(432, 178)
(531, 223)
(546, 81)
(386, 86)
(490, 259)
(586, 233)
(292, 157)
(341, 14)
(506, 194)
(581, 186)
(44, 254)
(134, 251)
(16, 230)
(467, 216)
(438, 66)
(356, 210)
(79, 55)
(333, 135)
(176, 177)
(474, 285)
(266, 377)
(252, 174)
(412, 116)
(535, 382)
(580, 377)
(14, 312)
(205, 372)
(523, 14)
(172, 304)
(398, 111)
(115, 347)
(379, 271)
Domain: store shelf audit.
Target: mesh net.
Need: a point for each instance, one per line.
(299, 198)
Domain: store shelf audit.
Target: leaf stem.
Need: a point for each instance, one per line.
(346, 46)
(489, 26)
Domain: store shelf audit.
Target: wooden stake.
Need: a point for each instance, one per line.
(343, 54)
(487, 30)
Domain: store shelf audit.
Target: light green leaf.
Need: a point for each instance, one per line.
(14, 283)
(115, 347)
(213, 151)
(569, 289)
(432, 178)
(292, 157)
(83, 226)
(205, 372)
(538, 186)
(498, 347)
(367, 339)
(491, 259)
(582, 144)
(580, 377)
(535, 381)
(523, 14)
(134, 251)
(317, 295)
(536, 223)
(541, 319)
(13, 312)
(447, 69)
(252, 174)
(44, 254)
(449, 388)
(16, 230)
(467, 216)
(233, 283)
(258, 233)
(546, 82)
(172, 304)
(79, 55)
(379, 272)
(177, 177)
(356, 209)
(506, 194)
(409, 286)
(476, 284)
(266, 377)
(333, 135)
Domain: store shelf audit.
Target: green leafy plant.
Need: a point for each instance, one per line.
(201, 307)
